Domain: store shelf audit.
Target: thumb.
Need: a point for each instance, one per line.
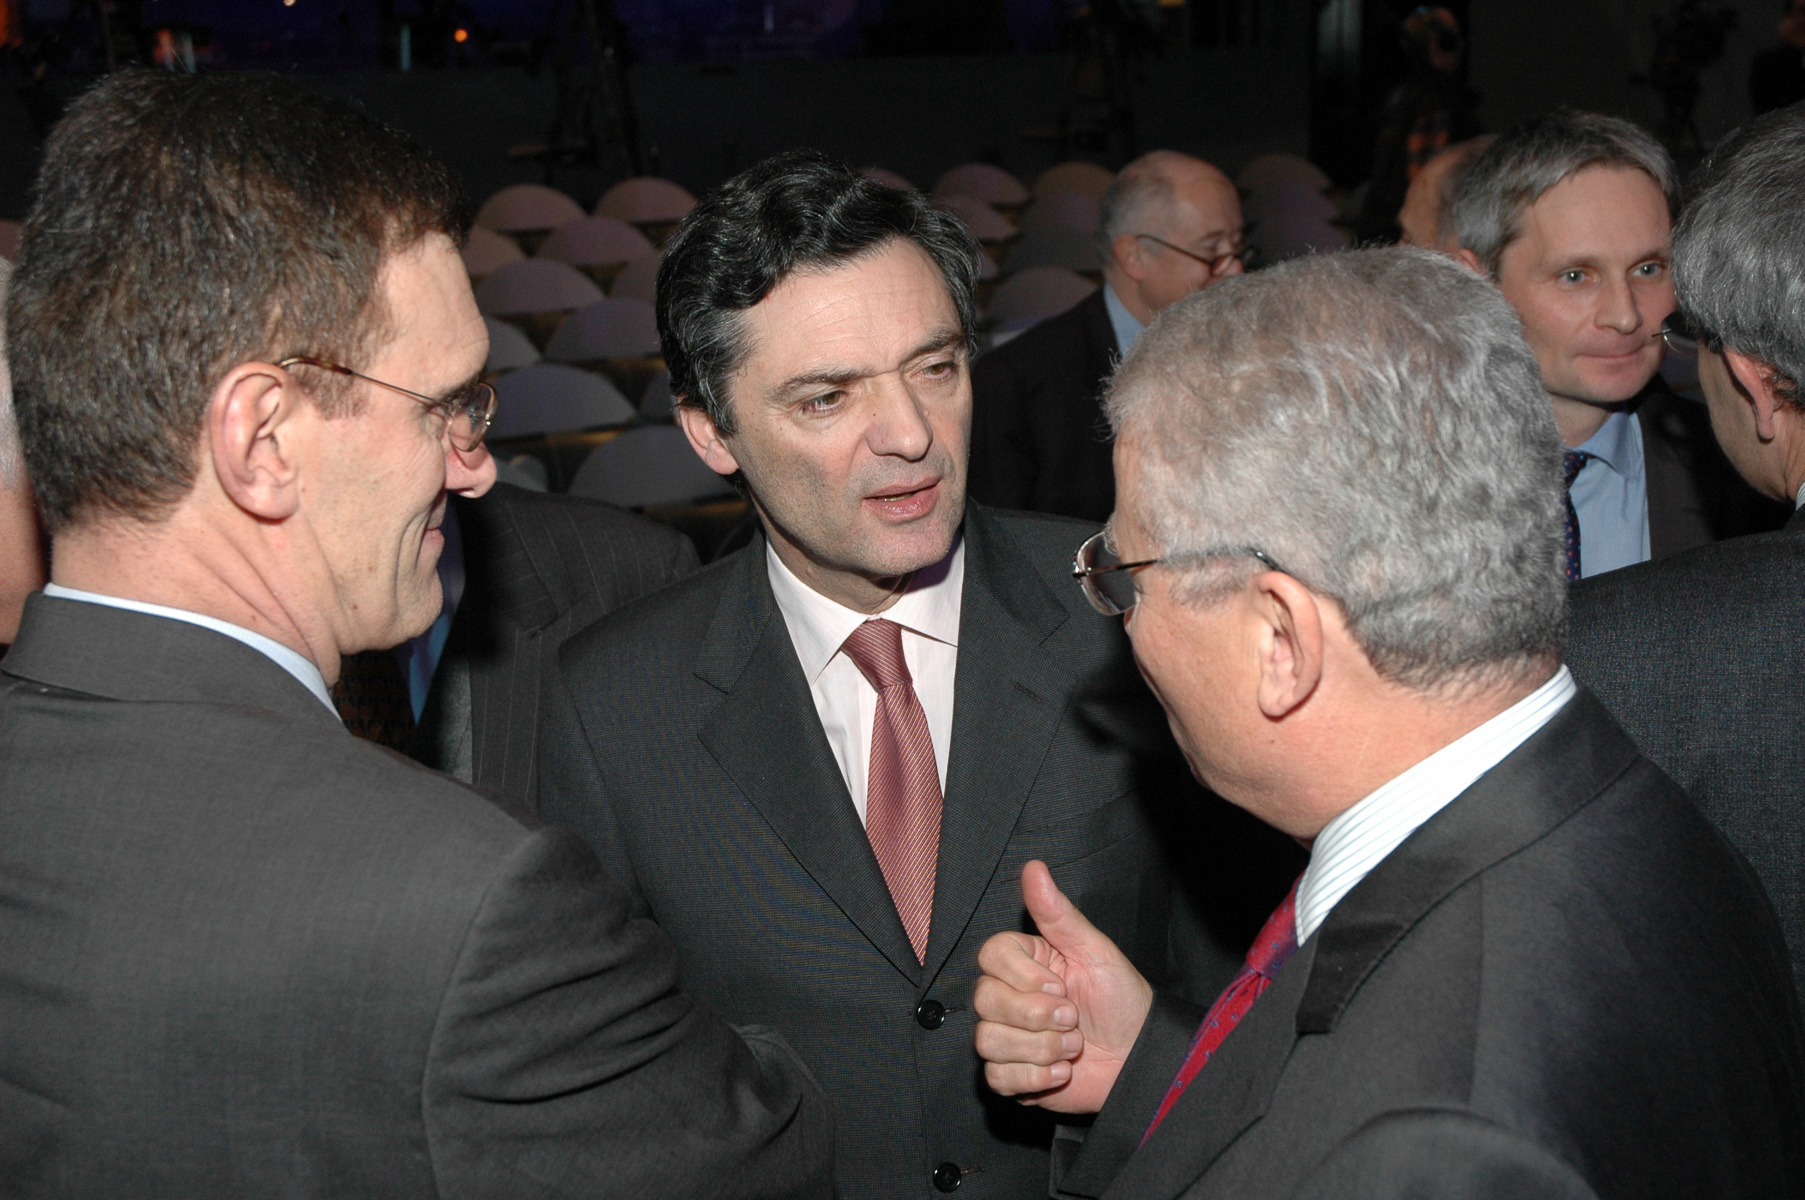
(1058, 920)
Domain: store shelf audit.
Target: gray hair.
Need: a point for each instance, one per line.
(12, 468)
(1739, 250)
(1142, 187)
(1515, 171)
(1375, 423)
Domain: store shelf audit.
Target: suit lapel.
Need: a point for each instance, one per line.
(1542, 783)
(767, 736)
(1676, 514)
(1009, 696)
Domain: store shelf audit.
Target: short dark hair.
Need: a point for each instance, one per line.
(1512, 173)
(793, 211)
(182, 225)
(1739, 249)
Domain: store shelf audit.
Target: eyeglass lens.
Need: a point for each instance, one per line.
(1111, 593)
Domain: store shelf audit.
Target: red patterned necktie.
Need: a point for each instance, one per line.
(902, 792)
(1276, 943)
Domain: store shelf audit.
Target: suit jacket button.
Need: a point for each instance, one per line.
(947, 1175)
(931, 1014)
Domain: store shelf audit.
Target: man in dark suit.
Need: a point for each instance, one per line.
(529, 569)
(1169, 225)
(1699, 655)
(821, 762)
(1571, 215)
(1519, 962)
(241, 951)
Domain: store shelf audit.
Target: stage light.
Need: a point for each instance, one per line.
(462, 35)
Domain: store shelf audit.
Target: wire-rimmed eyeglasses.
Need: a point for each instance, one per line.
(1215, 266)
(468, 412)
(1685, 336)
(1108, 584)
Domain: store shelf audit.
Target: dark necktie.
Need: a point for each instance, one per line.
(1276, 943)
(902, 791)
(1572, 462)
(372, 698)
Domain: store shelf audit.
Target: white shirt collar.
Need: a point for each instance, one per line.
(819, 626)
(295, 664)
(1798, 499)
(1351, 845)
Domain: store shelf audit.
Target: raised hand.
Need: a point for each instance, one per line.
(1057, 1013)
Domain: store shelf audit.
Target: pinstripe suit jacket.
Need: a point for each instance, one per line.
(685, 747)
(537, 568)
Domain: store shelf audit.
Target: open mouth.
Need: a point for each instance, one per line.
(906, 502)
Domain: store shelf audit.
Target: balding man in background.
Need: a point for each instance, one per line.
(1427, 216)
(21, 549)
(1699, 655)
(1169, 225)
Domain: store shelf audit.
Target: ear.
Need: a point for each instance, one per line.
(1129, 255)
(254, 440)
(1755, 379)
(706, 439)
(1290, 643)
(1469, 260)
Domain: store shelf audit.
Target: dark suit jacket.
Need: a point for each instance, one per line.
(1695, 497)
(691, 756)
(537, 567)
(1039, 440)
(243, 953)
(1701, 657)
(1565, 983)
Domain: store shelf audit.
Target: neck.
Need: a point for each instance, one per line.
(174, 564)
(1578, 420)
(1127, 293)
(868, 594)
(1375, 730)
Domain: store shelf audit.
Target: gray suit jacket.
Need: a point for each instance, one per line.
(1701, 658)
(1564, 984)
(244, 953)
(690, 755)
(537, 568)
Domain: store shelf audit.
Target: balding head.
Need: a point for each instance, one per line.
(1164, 213)
(1427, 217)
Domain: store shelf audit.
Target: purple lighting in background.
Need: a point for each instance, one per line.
(352, 33)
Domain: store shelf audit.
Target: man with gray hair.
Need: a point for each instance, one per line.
(1571, 214)
(21, 548)
(1699, 655)
(1519, 962)
(1169, 225)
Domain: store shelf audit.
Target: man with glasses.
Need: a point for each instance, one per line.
(1571, 215)
(241, 951)
(1169, 225)
(1699, 655)
(1518, 962)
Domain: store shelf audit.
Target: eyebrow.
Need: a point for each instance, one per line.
(458, 389)
(841, 376)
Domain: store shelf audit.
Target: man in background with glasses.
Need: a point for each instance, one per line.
(241, 951)
(1518, 962)
(1700, 655)
(1169, 225)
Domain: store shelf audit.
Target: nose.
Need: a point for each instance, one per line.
(899, 426)
(1618, 307)
(469, 472)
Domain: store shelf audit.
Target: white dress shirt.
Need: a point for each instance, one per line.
(928, 612)
(295, 664)
(1358, 840)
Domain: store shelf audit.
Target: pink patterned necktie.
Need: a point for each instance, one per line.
(902, 792)
(1276, 943)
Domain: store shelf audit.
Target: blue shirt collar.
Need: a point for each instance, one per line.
(1127, 327)
(1616, 446)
